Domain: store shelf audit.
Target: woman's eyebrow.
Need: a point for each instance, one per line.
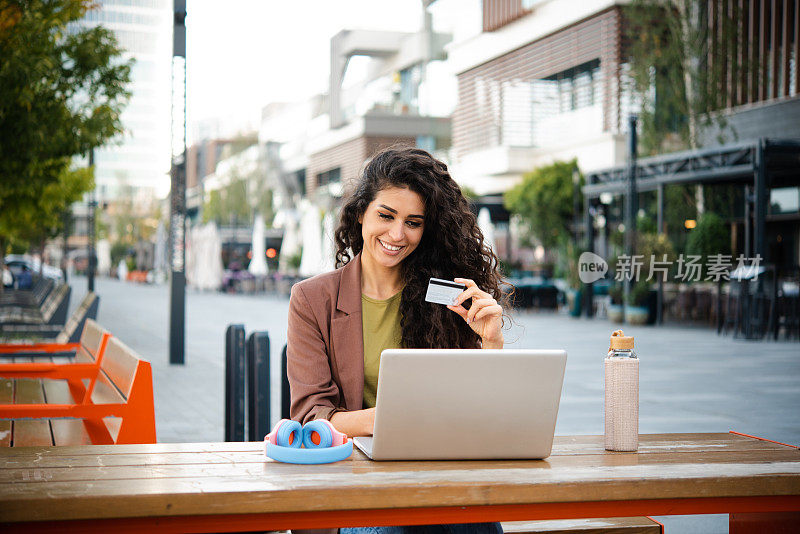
(384, 206)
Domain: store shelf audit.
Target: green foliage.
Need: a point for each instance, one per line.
(235, 204)
(295, 260)
(639, 293)
(213, 209)
(710, 237)
(646, 224)
(228, 205)
(726, 200)
(680, 205)
(654, 246)
(572, 253)
(61, 93)
(616, 292)
(38, 212)
(119, 250)
(679, 88)
(544, 202)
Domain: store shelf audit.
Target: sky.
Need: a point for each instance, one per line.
(244, 54)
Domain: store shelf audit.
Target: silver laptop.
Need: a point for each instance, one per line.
(460, 404)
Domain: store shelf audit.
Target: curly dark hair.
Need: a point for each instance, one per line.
(451, 246)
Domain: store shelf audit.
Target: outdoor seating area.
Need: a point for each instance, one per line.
(70, 332)
(96, 391)
(768, 308)
(521, 266)
(45, 304)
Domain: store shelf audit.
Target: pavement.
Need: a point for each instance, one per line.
(691, 379)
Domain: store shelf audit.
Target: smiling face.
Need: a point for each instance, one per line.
(392, 226)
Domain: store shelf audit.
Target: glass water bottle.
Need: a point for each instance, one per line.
(621, 394)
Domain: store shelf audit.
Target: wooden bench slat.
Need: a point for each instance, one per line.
(605, 525)
(75, 319)
(92, 336)
(105, 392)
(65, 431)
(6, 397)
(5, 432)
(69, 432)
(119, 363)
(6, 391)
(83, 356)
(28, 391)
(32, 433)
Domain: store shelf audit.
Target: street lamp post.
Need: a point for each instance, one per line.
(65, 259)
(177, 320)
(91, 263)
(630, 204)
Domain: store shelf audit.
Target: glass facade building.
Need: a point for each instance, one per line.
(136, 165)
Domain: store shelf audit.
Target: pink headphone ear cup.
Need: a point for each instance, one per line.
(286, 433)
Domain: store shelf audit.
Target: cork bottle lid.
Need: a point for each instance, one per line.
(620, 341)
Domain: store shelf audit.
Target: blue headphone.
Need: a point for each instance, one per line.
(321, 442)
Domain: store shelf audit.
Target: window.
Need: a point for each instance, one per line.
(576, 86)
(784, 200)
(329, 177)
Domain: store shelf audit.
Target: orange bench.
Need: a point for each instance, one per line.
(104, 395)
(12, 336)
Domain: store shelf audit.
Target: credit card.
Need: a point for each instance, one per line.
(443, 291)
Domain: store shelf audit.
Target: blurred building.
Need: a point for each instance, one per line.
(137, 165)
(537, 81)
(544, 80)
(202, 159)
(379, 94)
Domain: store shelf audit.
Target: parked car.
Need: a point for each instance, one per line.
(27, 267)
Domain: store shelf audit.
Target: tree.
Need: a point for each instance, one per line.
(678, 70)
(709, 238)
(62, 89)
(545, 202)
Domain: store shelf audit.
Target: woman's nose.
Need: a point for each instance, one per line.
(396, 232)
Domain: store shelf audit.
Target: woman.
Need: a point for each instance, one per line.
(405, 223)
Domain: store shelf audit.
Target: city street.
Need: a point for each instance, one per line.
(691, 380)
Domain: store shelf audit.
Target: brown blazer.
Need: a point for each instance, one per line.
(325, 344)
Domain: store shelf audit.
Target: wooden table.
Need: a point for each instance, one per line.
(218, 487)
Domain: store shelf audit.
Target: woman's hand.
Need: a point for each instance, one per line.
(354, 423)
(485, 316)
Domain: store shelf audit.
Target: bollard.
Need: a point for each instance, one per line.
(234, 383)
(258, 380)
(285, 397)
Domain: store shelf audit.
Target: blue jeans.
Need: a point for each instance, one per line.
(466, 528)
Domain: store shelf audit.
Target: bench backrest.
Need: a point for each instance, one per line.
(91, 339)
(125, 378)
(55, 301)
(73, 328)
(41, 289)
(119, 366)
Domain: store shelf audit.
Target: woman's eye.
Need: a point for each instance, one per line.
(385, 216)
(414, 224)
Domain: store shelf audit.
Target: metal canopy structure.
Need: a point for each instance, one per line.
(762, 164)
(758, 165)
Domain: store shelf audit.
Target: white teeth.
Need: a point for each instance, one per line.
(390, 247)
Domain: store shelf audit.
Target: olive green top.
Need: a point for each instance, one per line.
(380, 323)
